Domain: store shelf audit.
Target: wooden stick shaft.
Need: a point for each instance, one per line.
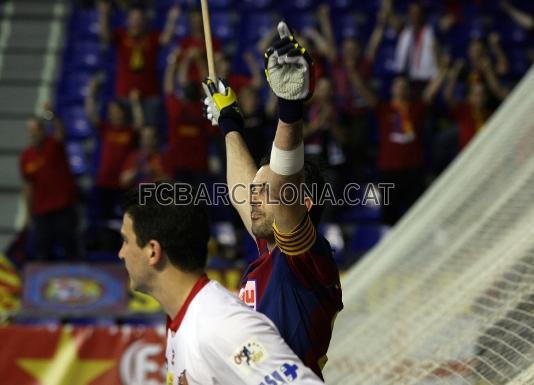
(207, 37)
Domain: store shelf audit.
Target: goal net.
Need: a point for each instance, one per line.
(448, 296)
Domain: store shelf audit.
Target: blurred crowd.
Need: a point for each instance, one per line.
(394, 103)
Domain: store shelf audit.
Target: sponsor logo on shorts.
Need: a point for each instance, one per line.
(249, 355)
(287, 373)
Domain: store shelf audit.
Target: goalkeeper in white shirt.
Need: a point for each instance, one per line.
(212, 337)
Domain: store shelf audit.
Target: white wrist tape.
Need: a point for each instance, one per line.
(287, 162)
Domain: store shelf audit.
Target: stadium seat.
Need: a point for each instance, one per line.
(84, 24)
(224, 233)
(360, 213)
(256, 25)
(257, 4)
(223, 25)
(76, 124)
(301, 21)
(85, 55)
(221, 4)
(76, 155)
(298, 5)
(73, 87)
(347, 25)
(332, 232)
(518, 59)
(512, 34)
(364, 237)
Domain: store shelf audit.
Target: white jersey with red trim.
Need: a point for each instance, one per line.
(217, 340)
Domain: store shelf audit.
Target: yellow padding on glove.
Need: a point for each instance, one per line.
(223, 101)
(297, 241)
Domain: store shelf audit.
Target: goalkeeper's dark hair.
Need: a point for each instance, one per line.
(182, 230)
(312, 176)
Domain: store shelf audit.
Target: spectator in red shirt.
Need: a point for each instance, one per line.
(137, 52)
(471, 114)
(188, 132)
(481, 70)
(400, 154)
(147, 164)
(117, 138)
(50, 190)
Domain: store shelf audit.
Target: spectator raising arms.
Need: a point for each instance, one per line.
(471, 114)
(137, 51)
(188, 132)
(400, 157)
(147, 164)
(49, 189)
(117, 137)
(416, 47)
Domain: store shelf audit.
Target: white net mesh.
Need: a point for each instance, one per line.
(448, 296)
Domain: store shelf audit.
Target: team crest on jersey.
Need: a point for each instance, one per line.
(249, 355)
(248, 294)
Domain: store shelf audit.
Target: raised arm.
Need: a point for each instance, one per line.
(493, 81)
(325, 40)
(433, 86)
(222, 110)
(502, 67)
(57, 124)
(104, 11)
(170, 72)
(90, 102)
(522, 18)
(168, 31)
(137, 109)
(289, 71)
(254, 69)
(377, 35)
(451, 80)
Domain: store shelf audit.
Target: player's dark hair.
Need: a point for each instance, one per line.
(312, 176)
(181, 230)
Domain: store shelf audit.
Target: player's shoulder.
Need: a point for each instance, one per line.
(218, 309)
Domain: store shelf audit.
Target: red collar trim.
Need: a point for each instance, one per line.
(177, 321)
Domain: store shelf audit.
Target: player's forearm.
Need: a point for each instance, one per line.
(240, 167)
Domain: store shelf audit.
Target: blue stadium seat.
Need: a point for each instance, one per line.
(256, 25)
(222, 25)
(221, 4)
(85, 55)
(84, 24)
(73, 87)
(512, 34)
(298, 5)
(360, 213)
(347, 25)
(384, 60)
(344, 5)
(301, 21)
(364, 237)
(332, 232)
(76, 155)
(519, 62)
(76, 124)
(257, 4)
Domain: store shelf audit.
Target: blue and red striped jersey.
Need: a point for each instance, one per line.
(301, 294)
